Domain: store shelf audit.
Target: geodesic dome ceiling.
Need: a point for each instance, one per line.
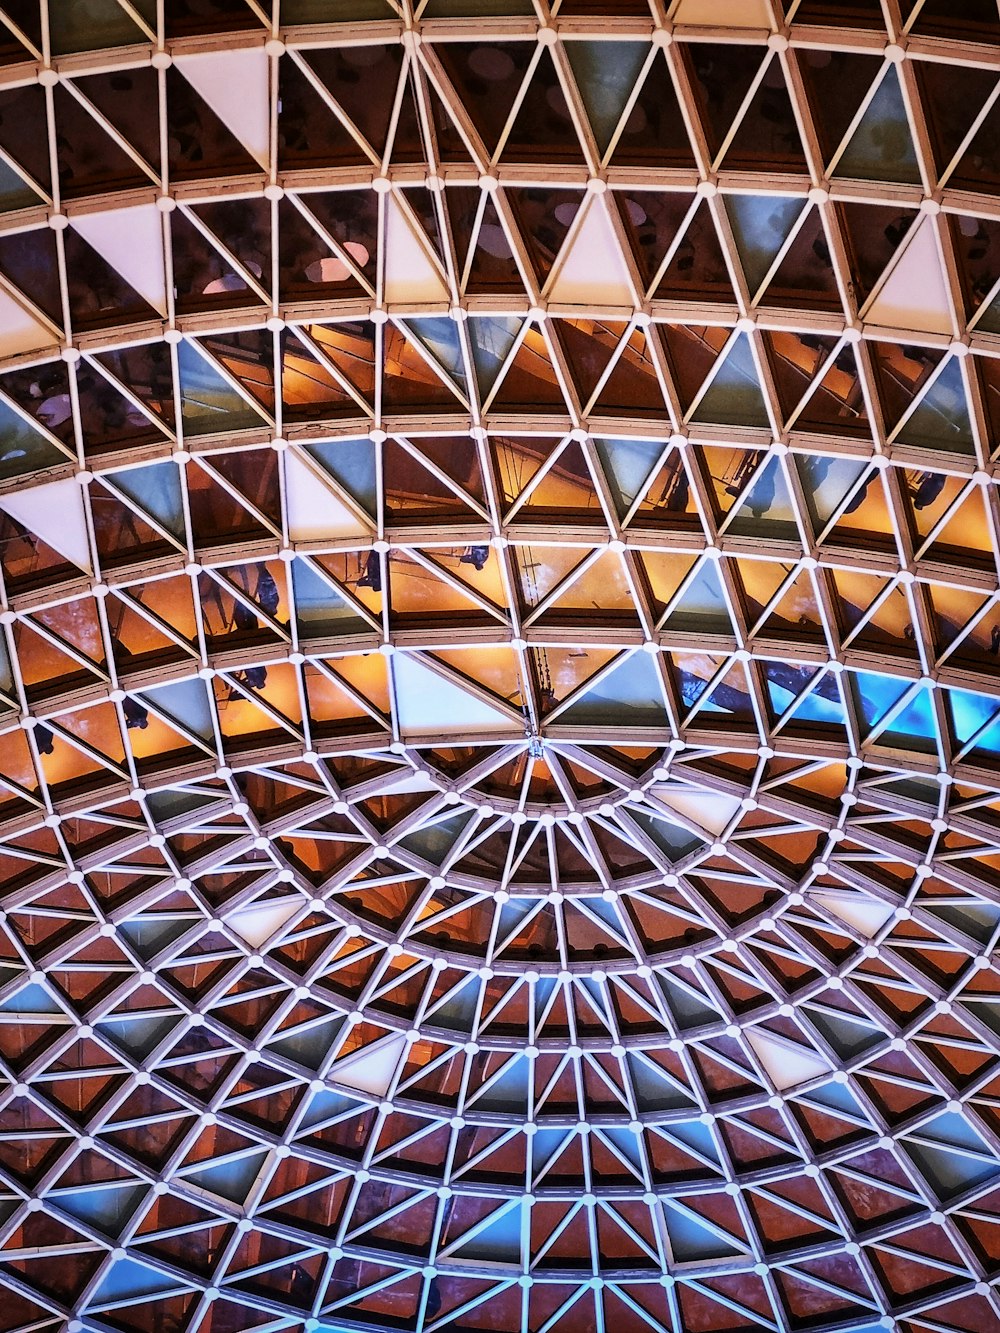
(499, 699)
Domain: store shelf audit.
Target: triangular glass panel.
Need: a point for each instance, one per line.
(630, 694)
(441, 339)
(15, 192)
(693, 1239)
(837, 405)
(200, 145)
(491, 340)
(703, 605)
(487, 80)
(951, 96)
(796, 613)
(209, 402)
(967, 537)
(606, 74)
(941, 419)
(107, 1208)
(321, 610)
(363, 80)
(128, 100)
(350, 217)
(729, 696)
(805, 276)
(589, 346)
(768, 134)
(627, 464)
(603, 587)
(543, 129)
(633, 387)
(654, 131)
(231, 1180)
(24, 449)
(185, 703)
(89, 160)
(310, 135)
(836, 83)
(822, 704)
(916, 726)
(881, 147)
(734, 397)
(767, 506)
(877, 695)
(156, 489)
(544, 217)
(101, 24)
(721, 76)
(309, 268)
(651, 222)
(97, 293)
(351, 347)
(761, 225)
(530, 379)
(22, 111)
(698, 267)
(978, 168)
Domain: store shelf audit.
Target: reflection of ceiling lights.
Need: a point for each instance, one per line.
(499, 613)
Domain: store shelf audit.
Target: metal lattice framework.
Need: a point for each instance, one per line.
(499, 713)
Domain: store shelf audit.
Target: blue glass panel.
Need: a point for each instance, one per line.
(491, 341)
(628, 464)
(352, 464)
(761, 225)
(881, 148)
(156, 490)
(186, 703)
(941, 418)
(734, 397)
(630, 695)
(442, 340)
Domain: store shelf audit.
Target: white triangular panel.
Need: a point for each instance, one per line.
(258, 923)
(866, 915)
(724, 13)
(373, 1069)
(131, 241)
(709, 810)
(914, 295)
(591, 270)
(19, 330)
(786, 1064)
(410, 273)
(427, 703)
(56, 514)
(315, 511)
(408, 782)
(235, 86)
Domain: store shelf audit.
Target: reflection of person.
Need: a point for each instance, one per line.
(254, 678)
(476, 556)
(135, 715)
(761, 497)
(372, 577)
(929, 487)
(267, 592)
(861, 495)
(244, 620)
